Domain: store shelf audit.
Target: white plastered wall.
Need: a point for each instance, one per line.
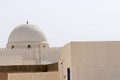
(11, 60)
(26, 43)
(31, 56)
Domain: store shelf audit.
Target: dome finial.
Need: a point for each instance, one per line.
(27, 21)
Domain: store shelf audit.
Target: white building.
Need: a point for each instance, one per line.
(27, 56)
(28, 45)
(27, 48)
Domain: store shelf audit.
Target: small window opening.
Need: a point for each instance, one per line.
(12, 47)
(29, 46)
(44, 46)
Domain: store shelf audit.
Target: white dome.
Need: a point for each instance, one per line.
(26, 33)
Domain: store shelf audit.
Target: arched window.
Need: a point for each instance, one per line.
(29, 46)
(12, 46)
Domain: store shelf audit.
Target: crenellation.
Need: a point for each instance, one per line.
(47, 53)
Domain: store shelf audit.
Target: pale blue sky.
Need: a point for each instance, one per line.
(63, 21)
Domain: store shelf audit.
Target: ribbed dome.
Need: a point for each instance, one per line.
(27, 32)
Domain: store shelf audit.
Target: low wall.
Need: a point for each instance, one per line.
(34, 76)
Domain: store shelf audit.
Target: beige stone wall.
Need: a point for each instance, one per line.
(33, 76)
(64, 61)
(91, 60)
(95, 60)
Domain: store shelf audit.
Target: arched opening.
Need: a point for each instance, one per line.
(29, 46)
(44, 46)
(12, 47)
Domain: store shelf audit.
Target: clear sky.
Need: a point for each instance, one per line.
(63, 21)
